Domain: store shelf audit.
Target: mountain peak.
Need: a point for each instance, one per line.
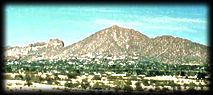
(114, 26)
(119, 27)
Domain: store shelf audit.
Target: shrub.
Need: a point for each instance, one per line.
(96, 78)
(127, 88)
(138, 86)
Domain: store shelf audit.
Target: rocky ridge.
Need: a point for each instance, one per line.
(33, 51)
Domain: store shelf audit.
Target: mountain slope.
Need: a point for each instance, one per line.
(177, 50)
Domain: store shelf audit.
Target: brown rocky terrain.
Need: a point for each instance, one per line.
(113, 41)
(35, 51)
(124, 43)
(117, 41)
(55, 43)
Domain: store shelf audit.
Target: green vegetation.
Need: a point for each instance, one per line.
(135, 70)
(138, 67)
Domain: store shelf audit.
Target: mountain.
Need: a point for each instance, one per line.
(113, 41)
(122, 43)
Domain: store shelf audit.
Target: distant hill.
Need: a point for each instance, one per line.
(123, 43)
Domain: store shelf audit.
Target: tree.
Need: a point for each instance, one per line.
(201, 75)
(84, 83)
(19, 77)
(28, 80)
(138, 72)
(49, 80)
(182, 74)
(138, 86)
(145, 82)
(72, 75)
(70, 85)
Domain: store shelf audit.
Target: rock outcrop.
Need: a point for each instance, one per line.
(56, 43)
(33, 51)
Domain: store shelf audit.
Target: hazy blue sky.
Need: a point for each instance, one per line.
(27, 24)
